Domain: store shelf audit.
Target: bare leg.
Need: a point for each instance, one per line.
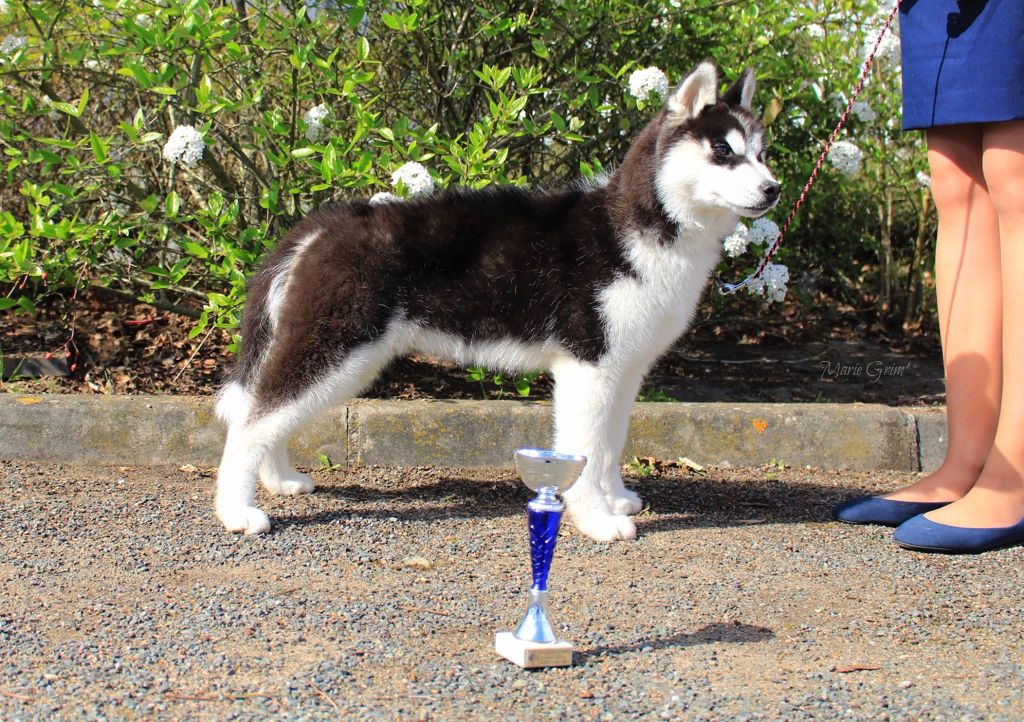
(997, 499)
(967, 268)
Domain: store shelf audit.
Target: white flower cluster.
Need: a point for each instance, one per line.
(414, 177)
(3, 7)
(864, 111)
(314, 118)
(736, 242)
(772, 284)
(383, 197)
(763, 230)
(846, 157)
(888, 54)
(924, 180)
(12, 44)
(649, 80)
(185, 146)
(814, 31)
(760, 232)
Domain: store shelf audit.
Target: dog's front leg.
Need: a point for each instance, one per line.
(592, 407)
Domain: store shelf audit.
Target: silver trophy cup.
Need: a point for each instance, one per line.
(534, 643)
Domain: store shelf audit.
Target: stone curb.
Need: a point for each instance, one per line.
(133, 430)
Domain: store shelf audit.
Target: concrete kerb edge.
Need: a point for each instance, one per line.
(178, 430)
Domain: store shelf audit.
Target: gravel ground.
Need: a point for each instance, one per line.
(378, 597)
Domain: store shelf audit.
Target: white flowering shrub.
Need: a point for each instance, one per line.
(763, 231)
(413, 179)
(773, 283)
(846, 157)
(159, 148)
(647, 84)
(314, 119)
(184, 147)
(735, 244)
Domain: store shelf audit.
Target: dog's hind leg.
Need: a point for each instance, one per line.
(278, 476)
(589, 403)
(258, 445)
(248, 442)
(259, 442)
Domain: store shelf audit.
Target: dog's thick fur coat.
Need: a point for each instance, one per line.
(592, 283)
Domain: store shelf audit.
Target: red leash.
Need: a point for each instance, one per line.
(729, 288)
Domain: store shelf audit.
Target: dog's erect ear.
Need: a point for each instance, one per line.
(697, 91)
(742, 91)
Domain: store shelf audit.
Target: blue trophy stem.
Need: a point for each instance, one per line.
(544, 523)
(545, 514)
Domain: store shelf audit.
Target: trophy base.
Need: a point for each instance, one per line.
(530, 655)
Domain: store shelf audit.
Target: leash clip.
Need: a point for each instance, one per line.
(727, 289)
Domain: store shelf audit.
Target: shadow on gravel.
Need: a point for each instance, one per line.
(677, 501)
(695, 502)
(452, 498)
(726, 632)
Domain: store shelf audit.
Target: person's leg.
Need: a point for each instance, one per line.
(997, 498)
(968, 289)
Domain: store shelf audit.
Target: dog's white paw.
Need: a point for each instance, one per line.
(606, 527)
(293, 484)
(248, 519)
(626, 502)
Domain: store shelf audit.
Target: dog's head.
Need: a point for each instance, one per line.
(710, 150)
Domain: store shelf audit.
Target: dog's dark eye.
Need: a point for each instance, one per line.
(721, 150)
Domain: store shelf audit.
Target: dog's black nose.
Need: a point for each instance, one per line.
(771, 191)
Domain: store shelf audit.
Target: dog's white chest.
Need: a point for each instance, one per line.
(647, 311)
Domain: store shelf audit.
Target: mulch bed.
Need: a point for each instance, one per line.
(746, 352)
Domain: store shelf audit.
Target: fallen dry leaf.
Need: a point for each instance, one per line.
(691, 464)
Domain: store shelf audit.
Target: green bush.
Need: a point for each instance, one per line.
(479, 93)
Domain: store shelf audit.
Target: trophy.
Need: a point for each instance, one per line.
(534, 643)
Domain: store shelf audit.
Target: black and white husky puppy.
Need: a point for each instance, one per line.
(591, 283)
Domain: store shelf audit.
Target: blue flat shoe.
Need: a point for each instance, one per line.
(924, 535)
(887, 512)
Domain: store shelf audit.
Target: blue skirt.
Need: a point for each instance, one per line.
(963, 61)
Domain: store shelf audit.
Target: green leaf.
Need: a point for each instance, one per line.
(172, 204)
(164, 90)
(302, 152)
(150, 203)
(82, 102)
(99, 148)
(355, 16)
(195, 249)
(327, 164)
(67, 108)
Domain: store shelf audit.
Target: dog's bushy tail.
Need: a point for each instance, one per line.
(234, 400)
(233, 403)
